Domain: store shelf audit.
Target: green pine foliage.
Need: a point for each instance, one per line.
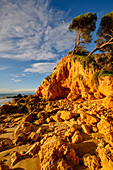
(101, 63)
(83, 25)
(48, 78)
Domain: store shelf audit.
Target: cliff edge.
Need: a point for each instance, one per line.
(75, 77)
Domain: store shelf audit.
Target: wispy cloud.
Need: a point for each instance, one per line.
(41, 68)
(24, 91)
(3, 68)
(15, 76)
(31, 29)
(4, 90)
(15, 80)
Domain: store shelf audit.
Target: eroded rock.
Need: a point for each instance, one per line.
(15, 157)
(91, 161)
(106, 157)
(55, 148)
(77, 137)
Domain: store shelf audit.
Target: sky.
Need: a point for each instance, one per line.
(34, 37)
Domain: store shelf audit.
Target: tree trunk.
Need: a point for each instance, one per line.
(74, 47)
(103, 45)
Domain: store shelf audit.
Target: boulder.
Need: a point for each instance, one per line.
(23, 127)
(54, 149)
(6, 144)
(106, 85)
(88, 119)
(28, 118)
(109, 138)
(105, 125)
(66, 115)
(74, 126)
(20, 139)
(56, 117)
(91, 161)
(77, 137)
(3, 166)
(72, 158)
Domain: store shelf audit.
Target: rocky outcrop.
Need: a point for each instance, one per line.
(54, 149)
(57, 134)
(70, 80)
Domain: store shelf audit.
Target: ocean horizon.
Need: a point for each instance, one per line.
(8, 97)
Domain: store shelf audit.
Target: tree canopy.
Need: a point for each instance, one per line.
(104, 41)
(83, 25)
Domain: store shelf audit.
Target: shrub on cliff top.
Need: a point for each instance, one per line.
(86, 61)
(48, 78)
(101, 73)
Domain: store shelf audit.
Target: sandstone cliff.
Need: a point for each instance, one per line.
(72, 130)
(70, 80)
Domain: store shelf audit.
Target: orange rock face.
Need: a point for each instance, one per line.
(108, 102)
(70, 80)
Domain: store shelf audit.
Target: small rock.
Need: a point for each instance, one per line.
(74, 127)
(48, 120)
(68, 133)
(76, 138)
(38, 133)
(95, 129)
(86, 128)
(31, 136)
(34, 149)
(15, 157)
(39, 121)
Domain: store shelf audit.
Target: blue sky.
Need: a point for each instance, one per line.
(34, 36)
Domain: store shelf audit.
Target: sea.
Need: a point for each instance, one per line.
(5, 98)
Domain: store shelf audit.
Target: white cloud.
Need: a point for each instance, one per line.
(15, 80)
(15, 76)
(24, 91)
(5, 91)
(3, 68)
(31, 29)
(41, 67)
(23, 75)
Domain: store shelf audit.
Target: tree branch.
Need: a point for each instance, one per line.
(101, 46)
